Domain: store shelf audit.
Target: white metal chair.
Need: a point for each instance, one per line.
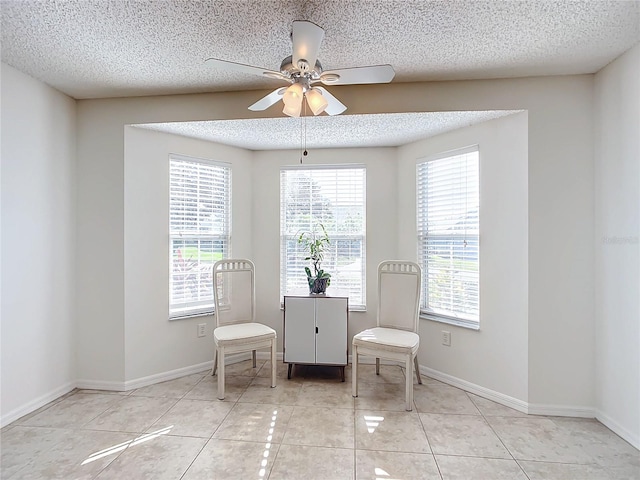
(396, 335)
(236, 329)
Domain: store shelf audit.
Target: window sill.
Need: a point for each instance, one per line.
(450, 321)
(191, 315)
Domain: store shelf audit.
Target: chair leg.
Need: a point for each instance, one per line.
(377, 366)
(215, 362)
(273, 363)
(415, 362)
(221, 373)
(409, 384)
(354, 372)
(253, 355)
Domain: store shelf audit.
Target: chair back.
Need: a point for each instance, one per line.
(399, 294)
(234, 291)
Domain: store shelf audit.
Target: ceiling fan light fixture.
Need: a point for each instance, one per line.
(292, 99)
(292, 109)
(302, 69)
(293, 94)
(317, 103)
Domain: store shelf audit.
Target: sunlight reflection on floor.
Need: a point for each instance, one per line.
(372, 422)
(267, 446)
(122, 446)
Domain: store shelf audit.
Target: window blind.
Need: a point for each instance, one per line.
(335, 197)
(199, 231)
(448, 234)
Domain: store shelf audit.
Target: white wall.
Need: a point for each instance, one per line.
(153, 344)
(617, 245)
(100, 254)
(561, 344)
(560, 216)
(381, 224)
(561, 282)
(38, 244)
(496, 356)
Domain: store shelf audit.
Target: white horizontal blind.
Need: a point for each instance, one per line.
(448, 203)
(199, 231)
(335, 197)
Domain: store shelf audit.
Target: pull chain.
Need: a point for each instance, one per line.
(303, 133)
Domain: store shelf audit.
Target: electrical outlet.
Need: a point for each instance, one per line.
(202, 332)
(446, 338)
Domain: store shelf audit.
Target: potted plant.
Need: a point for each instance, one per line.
(316, 243)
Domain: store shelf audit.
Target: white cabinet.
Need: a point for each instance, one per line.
(315, 330)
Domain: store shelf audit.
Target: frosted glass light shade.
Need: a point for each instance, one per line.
(292, 99)
(317, 103)
(292, 108)
(293, 94)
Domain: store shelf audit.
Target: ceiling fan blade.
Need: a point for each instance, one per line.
(242, 68)
(306, 37)
(267, 101)
(335, 106)
(355, 75)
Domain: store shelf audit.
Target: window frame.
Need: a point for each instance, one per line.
(355, 303)
(181, 310)
(450, 317)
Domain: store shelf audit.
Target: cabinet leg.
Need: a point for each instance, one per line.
(289, 371)
(342, 370)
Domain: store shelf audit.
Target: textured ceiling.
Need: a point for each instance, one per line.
(381, 130)
(118, 48)
(109, 48)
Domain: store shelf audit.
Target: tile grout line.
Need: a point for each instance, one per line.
(435, 460)
(497, 435)
(219, 424)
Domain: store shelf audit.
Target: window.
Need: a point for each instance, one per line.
(448, 225)
(199, 231)
(335, 197)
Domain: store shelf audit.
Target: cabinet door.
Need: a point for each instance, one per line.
(331, 340)
(299, 330)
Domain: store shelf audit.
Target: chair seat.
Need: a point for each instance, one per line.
(229, 334)
(389, 339)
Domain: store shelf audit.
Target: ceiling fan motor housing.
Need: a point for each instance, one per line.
(289, 69)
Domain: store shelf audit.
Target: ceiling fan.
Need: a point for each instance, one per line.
(303, 71)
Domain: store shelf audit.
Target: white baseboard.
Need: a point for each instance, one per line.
(35, 404)
(511, 402)
(615, 427)
(157, 377)
(165, 376)
(561, 410)
(100, 385)
(114, 386)
(483, 392)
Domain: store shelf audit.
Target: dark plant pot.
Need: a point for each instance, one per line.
(319, 285)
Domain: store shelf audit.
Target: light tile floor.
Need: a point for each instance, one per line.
(309, 427)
